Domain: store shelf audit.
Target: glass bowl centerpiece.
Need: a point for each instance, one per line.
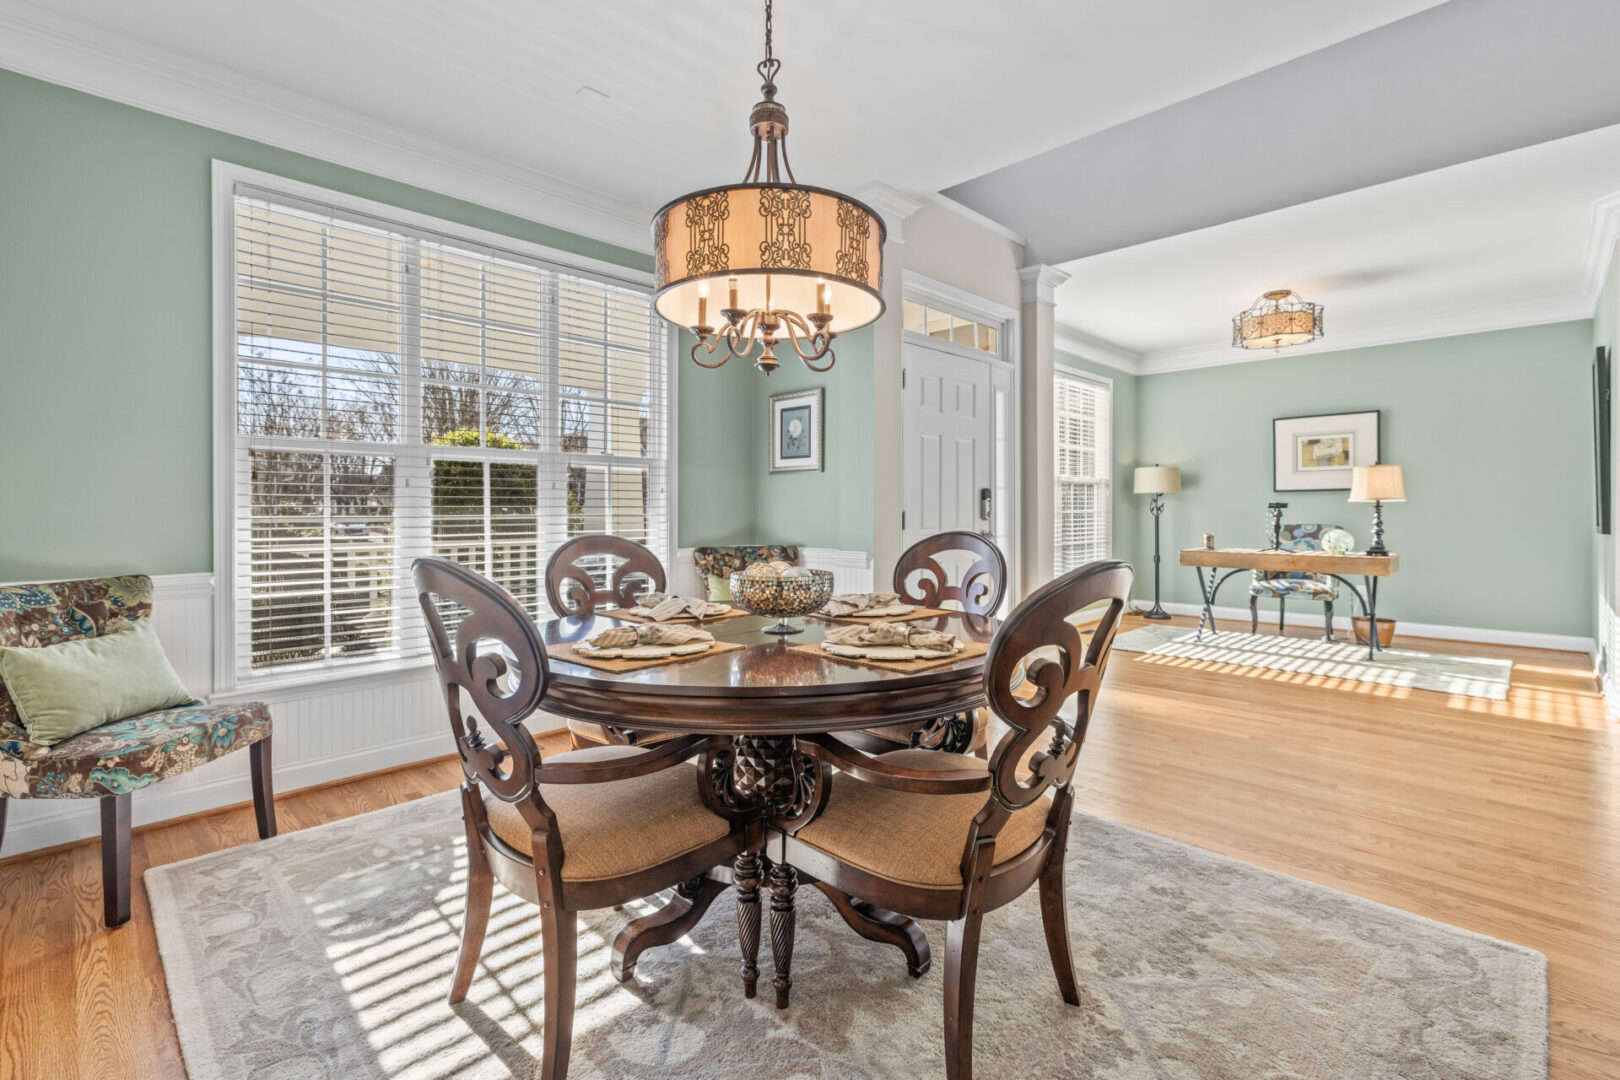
(782, 591)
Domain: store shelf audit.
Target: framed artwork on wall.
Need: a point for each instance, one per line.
(1602, 439)
(797, 430)
(1317, 453)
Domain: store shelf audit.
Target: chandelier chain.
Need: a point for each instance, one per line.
(769, 66)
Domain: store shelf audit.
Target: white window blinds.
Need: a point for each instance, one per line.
(1084, 465)
(400, 393)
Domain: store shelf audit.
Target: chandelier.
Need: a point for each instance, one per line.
(1276, 320)
(787, 263)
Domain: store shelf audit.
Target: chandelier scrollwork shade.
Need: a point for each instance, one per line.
(752, 266)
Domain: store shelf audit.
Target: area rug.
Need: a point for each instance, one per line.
(1472, 676)
(327, 953)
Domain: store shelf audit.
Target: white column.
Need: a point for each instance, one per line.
(886, 365)
(1037, 520)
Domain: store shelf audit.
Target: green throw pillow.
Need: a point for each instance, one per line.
(719, 589)
(65, 689)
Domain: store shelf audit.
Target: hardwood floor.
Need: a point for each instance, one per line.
(1502, 817)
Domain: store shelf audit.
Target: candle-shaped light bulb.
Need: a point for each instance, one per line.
(821, 297)
(703, 303)
(733, 294)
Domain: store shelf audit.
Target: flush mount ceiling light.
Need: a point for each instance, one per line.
(1277, 320)
(784, 260)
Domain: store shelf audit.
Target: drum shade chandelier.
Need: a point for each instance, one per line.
(1276, 320)
(786, 262)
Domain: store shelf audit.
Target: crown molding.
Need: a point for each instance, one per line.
(1538, 312)
(1096, 350)
(964, 211)
(1600, 247)
(71, 53)
(894, 204)
(1041, 282)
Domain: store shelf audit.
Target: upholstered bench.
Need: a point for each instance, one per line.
(112, 761)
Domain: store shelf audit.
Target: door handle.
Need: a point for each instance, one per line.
(985, 503)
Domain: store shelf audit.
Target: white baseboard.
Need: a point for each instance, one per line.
(1484, 636)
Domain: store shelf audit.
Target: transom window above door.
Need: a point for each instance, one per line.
(920, 318)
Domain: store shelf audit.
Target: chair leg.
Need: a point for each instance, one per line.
(115, 860)
(1254, 614)
(480, 889)
(1327, 614)
(1055, 914)
(885, 927)
(961, 973)
(3, 822)
(264, 795)
(559, 940)
(745, 874)
(1282, 607)
(784, 882)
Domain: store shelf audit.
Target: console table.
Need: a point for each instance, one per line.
(1236, 560)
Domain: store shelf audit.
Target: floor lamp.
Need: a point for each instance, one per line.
(1158, 481)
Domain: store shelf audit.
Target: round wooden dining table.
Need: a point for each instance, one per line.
(763, 696)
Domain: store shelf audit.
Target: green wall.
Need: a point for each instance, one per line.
(1131, 519)
(105, 334)
(718, 451)
(1494, 436)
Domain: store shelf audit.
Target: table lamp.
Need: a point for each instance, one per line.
(1158, 481)
(1377, 484)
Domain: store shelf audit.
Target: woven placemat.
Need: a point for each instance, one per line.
(920, 613)
(619, 667)
(627, 617)
(970, 649)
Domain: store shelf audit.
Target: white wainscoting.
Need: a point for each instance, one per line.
(323, 732)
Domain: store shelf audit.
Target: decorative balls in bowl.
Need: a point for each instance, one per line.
(781, 589)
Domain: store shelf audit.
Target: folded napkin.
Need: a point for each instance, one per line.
(660, 607)
(880, 603)
(890, 641)
(648, 641)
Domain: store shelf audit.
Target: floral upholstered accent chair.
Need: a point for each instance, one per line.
(114, 760)
(1282, 586)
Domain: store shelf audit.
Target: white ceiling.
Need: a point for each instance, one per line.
(1502, 241)
(918, 94)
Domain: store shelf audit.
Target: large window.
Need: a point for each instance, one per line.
(1084, 463)
(399, 392)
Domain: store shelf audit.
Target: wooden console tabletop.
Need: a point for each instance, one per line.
(1309, 562)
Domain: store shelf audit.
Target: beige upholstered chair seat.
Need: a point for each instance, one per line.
(914, 839)
(619, 827)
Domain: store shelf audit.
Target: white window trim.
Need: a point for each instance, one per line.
(1064, 371)
(226, 175)
(938, 294)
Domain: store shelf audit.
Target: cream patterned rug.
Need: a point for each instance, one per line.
(328, 952)
(1473, 676)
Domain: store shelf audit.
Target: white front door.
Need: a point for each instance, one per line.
(947, 465)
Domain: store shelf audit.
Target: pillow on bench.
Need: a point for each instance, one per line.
(66, 689)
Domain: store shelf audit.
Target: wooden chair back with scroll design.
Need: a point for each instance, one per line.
(978, 591)
(493, 669)
(920, 578)
(572, 591)
(1047, 717)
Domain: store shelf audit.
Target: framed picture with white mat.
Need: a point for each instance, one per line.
(1317, 453)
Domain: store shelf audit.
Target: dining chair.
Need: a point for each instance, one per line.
(594, 572)
(947, 836)
(587, 829)
(920, 579)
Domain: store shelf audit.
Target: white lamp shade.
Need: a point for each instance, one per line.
(1377, 483)
(1157, 479)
